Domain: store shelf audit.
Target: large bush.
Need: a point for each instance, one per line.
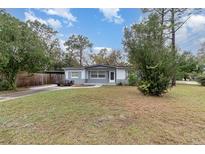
(148, 54)
(132, 79)
(4, 85)
(179, 75)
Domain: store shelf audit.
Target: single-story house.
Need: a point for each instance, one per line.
(94, 74)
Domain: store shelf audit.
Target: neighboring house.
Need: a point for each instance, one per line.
(104, 74)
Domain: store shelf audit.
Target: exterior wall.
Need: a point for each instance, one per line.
(84, 75)
(90, 80)
(106, 80)
(78, 80)
(121, 76)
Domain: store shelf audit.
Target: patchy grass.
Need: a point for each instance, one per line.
(106, 115)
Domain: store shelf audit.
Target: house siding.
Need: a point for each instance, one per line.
(84, 74)
(121, 76)
(106, 80)
(90, 80)
(78, 80)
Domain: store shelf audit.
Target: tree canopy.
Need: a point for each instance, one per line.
(20, 49)
(113, 57)
(152, 60)
(51, 43)
(76, 45)
(187, 65)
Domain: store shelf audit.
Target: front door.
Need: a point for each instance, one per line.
(112, 76)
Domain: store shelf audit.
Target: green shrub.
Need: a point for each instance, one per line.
(179, 75)
(132, 79)
(156, 83)
(4, 85)
(143, 86)
(201, 79)
(154, 61)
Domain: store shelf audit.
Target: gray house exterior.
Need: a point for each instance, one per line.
(97, 74)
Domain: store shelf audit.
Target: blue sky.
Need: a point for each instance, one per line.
(104, 27)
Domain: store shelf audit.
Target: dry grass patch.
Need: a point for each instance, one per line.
(106, 115)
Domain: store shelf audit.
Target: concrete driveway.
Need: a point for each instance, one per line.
(37, 89)
(188, 82)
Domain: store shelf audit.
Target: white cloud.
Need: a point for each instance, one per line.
(63, 13)
(31, 16)
(182, 34)
(54, 23)
(196, 23)
(97, 49)
(112, 15)
(192, 32)
(70, 24)
(201, 40)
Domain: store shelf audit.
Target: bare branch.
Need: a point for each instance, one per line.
(182, 24)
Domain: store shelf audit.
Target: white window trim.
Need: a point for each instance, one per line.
(74, 77)
(97, 75)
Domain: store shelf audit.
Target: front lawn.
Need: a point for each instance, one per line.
(106, 115)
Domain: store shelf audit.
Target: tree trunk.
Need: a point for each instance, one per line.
(162, 25)
(173, 44)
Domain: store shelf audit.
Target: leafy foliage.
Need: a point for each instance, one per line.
(113, 57)
(70, 60)
(51, 44)
(132, 79)
(187, 65)
(20, 49)
(172, 19)
(4, 85)
(76, 45)
(153, 61)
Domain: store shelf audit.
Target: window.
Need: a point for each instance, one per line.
(74, 74)
(101, 74)
(93, 74)
(97, 74)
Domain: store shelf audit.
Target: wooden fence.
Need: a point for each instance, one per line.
(25, 80)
